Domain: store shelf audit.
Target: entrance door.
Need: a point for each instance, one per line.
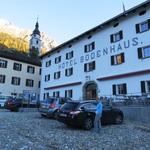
(91, 91)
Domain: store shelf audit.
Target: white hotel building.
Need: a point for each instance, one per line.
(111, 59)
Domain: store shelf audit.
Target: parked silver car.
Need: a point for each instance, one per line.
(49, 107)
(3, 100)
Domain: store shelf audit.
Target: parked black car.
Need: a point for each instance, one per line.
(13, 104)
(49, 107)
(82, 114)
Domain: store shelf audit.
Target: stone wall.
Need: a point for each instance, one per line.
(136, 113)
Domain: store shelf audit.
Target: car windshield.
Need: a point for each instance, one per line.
(50, 100)
(70, 106)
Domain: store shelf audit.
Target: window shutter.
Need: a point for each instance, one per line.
(70, 93)
(114, 89)
(59, 58)
(65, 93)
(111, 38)
(112, 60)
(93, 45)
(66, 55)
(139, 53)
(66, 72)
(44, 96)
(4, 78)
(58, 94)
(148, 23)
(121, 34)
(137, 28)
(122, 57)
(93, 64)
(124, 88)
(72, 53)
(143, 89)
(53, 94)
(85, 67)
(85, 48)
(19, 81)
(71, 71)
(28, 69)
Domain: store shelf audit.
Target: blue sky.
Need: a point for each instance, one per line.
(62, 19)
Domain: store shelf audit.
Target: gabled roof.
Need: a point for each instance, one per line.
(18, 56)
(99, 27)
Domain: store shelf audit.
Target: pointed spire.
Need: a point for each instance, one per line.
(37, 24)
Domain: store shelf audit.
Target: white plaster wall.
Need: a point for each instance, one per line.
(7, 88)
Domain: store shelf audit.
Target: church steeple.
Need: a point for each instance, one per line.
(35, 41)
(36, 30)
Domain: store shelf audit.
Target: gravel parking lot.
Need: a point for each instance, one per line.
(29, 131)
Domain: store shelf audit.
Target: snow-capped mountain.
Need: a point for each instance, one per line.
(13, 30)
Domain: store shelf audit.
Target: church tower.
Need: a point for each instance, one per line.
(35, 41)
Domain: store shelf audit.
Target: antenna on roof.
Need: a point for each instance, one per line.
(124, 9)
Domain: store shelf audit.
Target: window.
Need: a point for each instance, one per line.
(89, 66)
(30, 69)
(116, 37)
(57, 60)
(144, 52)
(143, 27)
(69, 55)
(69, 72)
(69, 93)
(145, 86)
(47, 77)
(29, 82)
(119, 89)
(2, 78)
(117, 59)
(48, 63)
(88, 106)
(89, 47)
(15, 81)
(17, 67)
(3, 63)
(56, 94)
(46, 95)
(57, 75)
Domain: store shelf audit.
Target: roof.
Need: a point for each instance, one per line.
(36, 30)
(99, 27)
(18, 56)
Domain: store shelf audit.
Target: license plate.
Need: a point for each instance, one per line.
(63, 115)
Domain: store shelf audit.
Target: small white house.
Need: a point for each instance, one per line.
(111, 59)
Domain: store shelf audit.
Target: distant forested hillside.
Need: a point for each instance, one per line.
(8, 41)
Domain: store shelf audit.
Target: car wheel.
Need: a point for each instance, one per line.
(42, 115)
(88, 124)
(55, 115)
(118, 119)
